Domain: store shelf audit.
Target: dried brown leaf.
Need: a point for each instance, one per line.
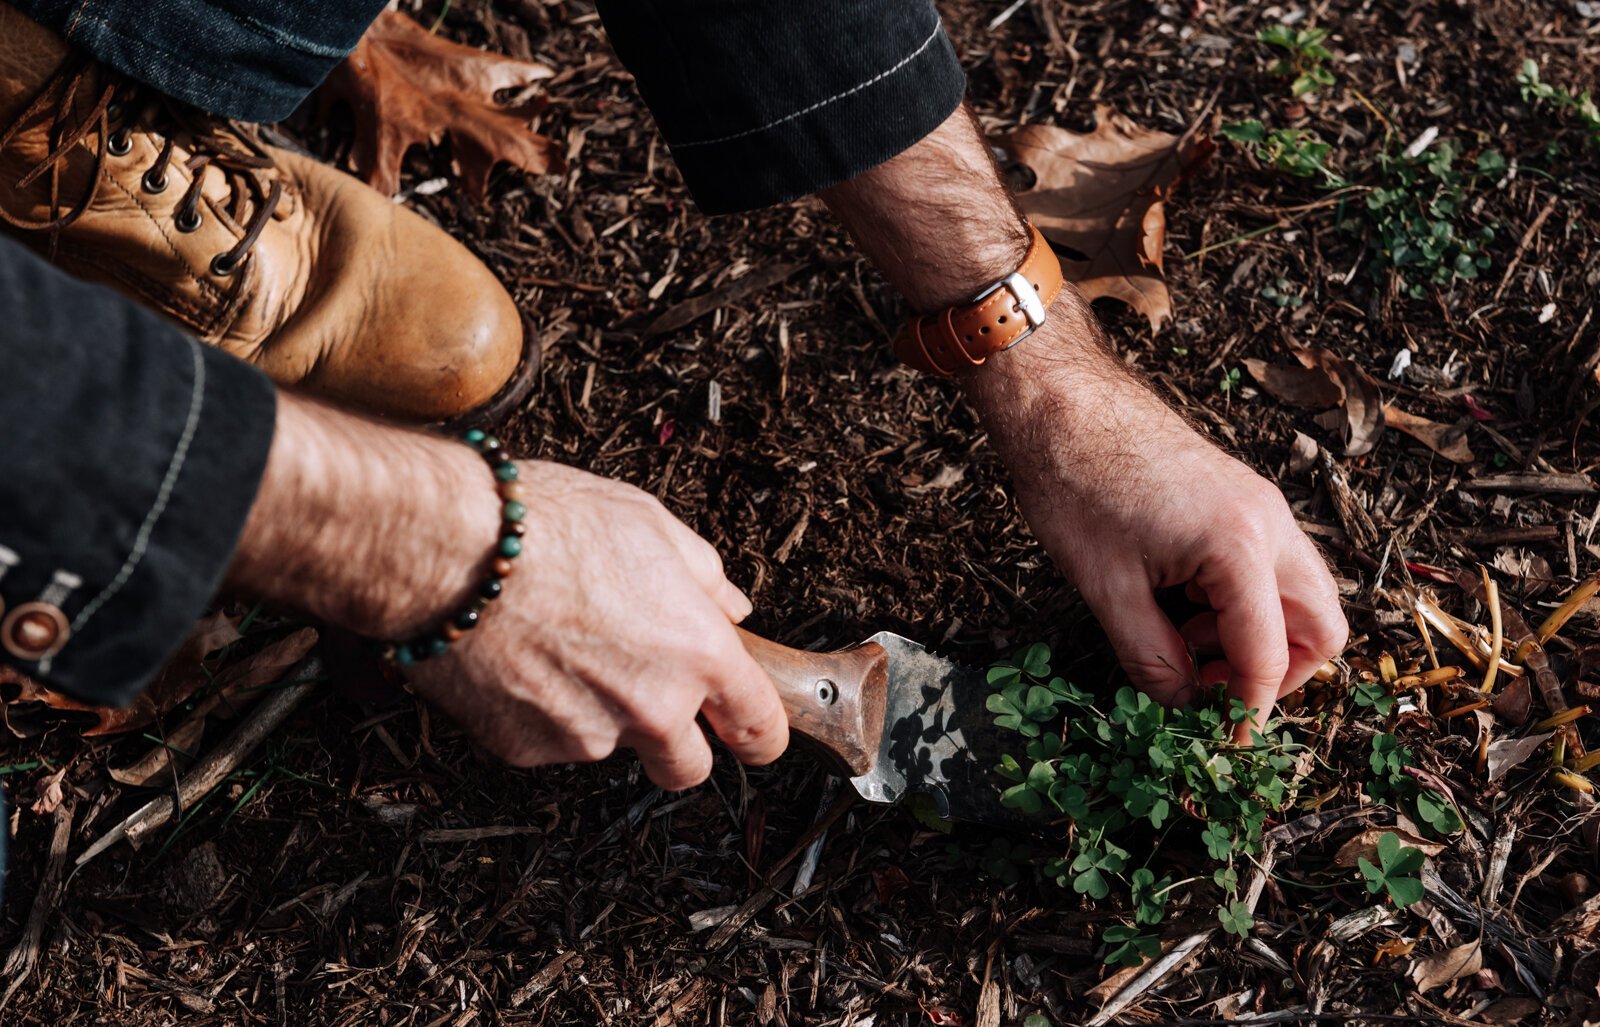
(1440, 969)
(50, 793)
(1509, 753)
(240, 686)
(1511, 1010)
(1302, 453)
(1310, 387)
(1448, 440)
(1363, 404)
(1364, 845)
(407, 86)
(182, 675)
(1101, 195)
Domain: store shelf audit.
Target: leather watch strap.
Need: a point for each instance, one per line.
(961, 338)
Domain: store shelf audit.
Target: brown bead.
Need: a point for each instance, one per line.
(34, 630)
(502, 567)
(450, 632)
(511, 490)
(516, 528)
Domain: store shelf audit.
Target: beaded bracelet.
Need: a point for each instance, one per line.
(508, 548)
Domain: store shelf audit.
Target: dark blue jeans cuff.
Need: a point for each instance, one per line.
(255, 61)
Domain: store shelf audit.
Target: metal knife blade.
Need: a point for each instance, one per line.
(897, 720)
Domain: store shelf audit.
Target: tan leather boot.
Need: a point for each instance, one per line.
(298, 268)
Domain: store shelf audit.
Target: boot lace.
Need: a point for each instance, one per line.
(119, 107)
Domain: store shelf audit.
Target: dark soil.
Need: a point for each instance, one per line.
(848, 496)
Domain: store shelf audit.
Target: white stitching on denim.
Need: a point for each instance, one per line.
(879, 77)
(141, 542)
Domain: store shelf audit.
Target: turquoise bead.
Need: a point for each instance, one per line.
(513, 510)
(438, 645)
(511, 546)
(475, 436)
(506, 471)
(404, 656)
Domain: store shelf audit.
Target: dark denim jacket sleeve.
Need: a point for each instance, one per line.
(130, 459)
(762, 101)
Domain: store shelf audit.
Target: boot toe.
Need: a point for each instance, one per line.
(400, 320)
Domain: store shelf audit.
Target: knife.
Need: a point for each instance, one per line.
(897, 720)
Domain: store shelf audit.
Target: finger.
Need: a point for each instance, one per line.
(1244, 592)
(743, 708)
(1213, 673)
(1314, 638)
(1313, 618)
(705, 566)
(682, 761)
(1200, 632)
(1148, 646)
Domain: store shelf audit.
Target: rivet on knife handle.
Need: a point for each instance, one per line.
(835, 700)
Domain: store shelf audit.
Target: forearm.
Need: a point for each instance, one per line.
(939, 223)
(368, 526)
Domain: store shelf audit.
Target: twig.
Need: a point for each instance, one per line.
(21, 960)
(1286, 836)
(221, 762)
(1522, 247)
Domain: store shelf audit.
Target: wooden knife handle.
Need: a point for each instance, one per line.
(834, 700)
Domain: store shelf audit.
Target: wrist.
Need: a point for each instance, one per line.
(374, 528)
(1065, 375)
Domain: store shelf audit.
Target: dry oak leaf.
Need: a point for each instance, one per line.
(1102, 195)
(1325, 379)
(1438, 970)
(182, 675)
(407, 86)
(1448, 440)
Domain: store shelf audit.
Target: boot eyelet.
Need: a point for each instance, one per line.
(119, 144)
(187, 221)
(223, 265)
(153, 184)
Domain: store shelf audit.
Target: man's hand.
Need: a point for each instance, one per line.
(1128, 499)
(615, 629)
(1123, 494)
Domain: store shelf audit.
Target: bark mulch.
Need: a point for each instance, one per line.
(368, 866)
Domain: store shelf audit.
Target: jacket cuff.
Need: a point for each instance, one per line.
(763, 103)
(132, 461)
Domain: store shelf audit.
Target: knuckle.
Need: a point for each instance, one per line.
(1272, 666)
(752, 735)
(656, 728)
(589, 748)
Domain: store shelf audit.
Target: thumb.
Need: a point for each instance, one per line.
(1147, 644)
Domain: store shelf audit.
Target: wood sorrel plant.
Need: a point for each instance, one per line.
(1130, 775)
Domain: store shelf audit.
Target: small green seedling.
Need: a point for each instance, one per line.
(1236, 919)
(1229, 381)
(1391, 784)
(1373, 696)
(1129, 774)
(1581, 105)
(1395, 871)
(1281, 293)
(1418, 218)
(1304, 59)
(1293, 151)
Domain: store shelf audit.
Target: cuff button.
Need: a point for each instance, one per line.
(34, 631)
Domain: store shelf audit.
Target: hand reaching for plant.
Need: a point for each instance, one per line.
(615, 628)
(1128, 499)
